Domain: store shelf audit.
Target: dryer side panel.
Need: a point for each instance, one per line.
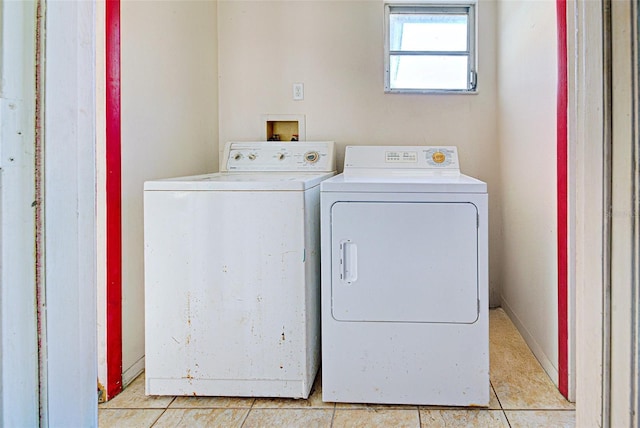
(404, 262)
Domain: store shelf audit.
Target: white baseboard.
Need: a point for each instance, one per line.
(542, 358)
(129, 374)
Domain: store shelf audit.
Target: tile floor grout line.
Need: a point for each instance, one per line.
(500, 403)
(135, 408)
(506, 418)
(247, 415)
(164, 410)
(496, 394)
(333, 415)
(538, 410)
(158, 418)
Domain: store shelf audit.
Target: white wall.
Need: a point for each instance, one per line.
(527, 69)
(336, 49)
(169, 126)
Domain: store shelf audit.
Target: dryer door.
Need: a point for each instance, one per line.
(404, 262)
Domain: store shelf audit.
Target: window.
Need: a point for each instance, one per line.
(430, 48)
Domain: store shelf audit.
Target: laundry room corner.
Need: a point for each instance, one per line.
(527, 93)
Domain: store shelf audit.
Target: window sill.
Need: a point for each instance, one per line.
(430, 92)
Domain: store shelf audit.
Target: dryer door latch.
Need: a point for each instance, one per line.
(348, 261)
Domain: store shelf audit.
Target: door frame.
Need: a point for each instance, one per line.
(18, 319)
(623, 215)
(603, 201)
(587, 192)
(69, 225)
(47, 191)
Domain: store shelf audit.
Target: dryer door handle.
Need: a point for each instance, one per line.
(348, 261)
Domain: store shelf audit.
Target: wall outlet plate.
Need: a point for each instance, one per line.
(298, 91)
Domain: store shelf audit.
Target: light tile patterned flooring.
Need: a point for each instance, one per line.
(522, 396)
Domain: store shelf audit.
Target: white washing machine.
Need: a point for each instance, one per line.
(404, 280)
(232, 274)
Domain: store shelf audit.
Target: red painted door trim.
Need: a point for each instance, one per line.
(563, 329)
(113, 201)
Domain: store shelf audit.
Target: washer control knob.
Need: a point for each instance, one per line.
(312, 157)
(237, 156)
(252, 156)
(280, 156)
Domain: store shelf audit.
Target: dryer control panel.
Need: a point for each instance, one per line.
(418, 160)
(312, 156)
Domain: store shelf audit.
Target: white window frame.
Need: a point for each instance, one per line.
(467, 8)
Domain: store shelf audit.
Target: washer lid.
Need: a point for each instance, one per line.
(389, 183)
(241, 181)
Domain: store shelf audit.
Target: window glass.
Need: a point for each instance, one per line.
(433, 72)
(428, 32)
(430, 48)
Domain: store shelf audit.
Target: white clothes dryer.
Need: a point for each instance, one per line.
(404, 279)
(232, 274)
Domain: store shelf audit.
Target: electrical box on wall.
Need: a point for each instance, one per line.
(284, 127)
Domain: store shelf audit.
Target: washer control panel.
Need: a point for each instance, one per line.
(421, 160)
(280, 156)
